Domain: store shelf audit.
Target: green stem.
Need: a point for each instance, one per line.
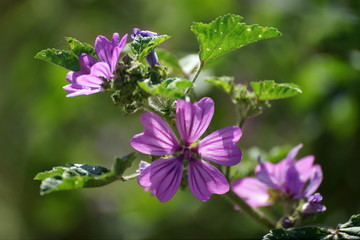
(129, 177)
(196, 76)
(255, 214)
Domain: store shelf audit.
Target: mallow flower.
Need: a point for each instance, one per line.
(294, 179)
(90, 77)
(313, 204)
(163, 176)
(152, 58)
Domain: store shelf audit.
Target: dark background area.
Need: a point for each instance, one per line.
(40, 128)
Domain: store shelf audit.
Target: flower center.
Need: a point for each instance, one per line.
(187, 153)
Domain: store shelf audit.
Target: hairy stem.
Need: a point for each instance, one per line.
(129, 177)
(196, 75)
(255, 214)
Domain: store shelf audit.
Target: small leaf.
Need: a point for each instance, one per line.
(78, 47)
(313, 233)
(170, 88)
(65, 59)
(73, 177)
(123, 163)
(227, 33)
(143, 46)
(226, 83)
(269, 90)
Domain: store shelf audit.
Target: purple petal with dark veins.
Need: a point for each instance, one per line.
(109, 52)
(293, 184)
(315, 180)
(76, 90)
(101, 69)
(118, 47)
(220, 146)
(157, 139)
(89, 81)
(86, 62)
(192, 120)
(162, 177)
(254, 192)
(205, 179)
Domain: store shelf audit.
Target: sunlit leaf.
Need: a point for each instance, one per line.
(226, 83)
(78, 47)
(171, 88)
(65, 59)
(269, 90)
(228, 33)
(74, 177)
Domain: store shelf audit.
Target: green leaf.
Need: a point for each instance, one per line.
(269, 90)
(78, 47)
(226, 83)
(65, 59)
(73, 177)
(227, 33)
(313, 233)
(123, 163)
(143, 46)
(350, 229)
(170, 88)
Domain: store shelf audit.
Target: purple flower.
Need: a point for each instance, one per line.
(313, 204)
(294, 179)
(164, 175)
(90, 77)
(152, 58)
(142, 166)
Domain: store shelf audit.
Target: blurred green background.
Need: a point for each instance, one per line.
(40, 128)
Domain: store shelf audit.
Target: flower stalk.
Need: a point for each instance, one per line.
(255, 214)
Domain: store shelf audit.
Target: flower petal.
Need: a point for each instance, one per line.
(265, 172)
(220, 146)
(101, 69)
(103, 48)
(76, 90)
(313, 204)
(157, 139)
(162, 177)
(205, 179)
(118, 47)
(109, 52)
(304, 167)
(86, 62)
(315, 180)
(293, 184)
(254, 192)
(192, 120)
(293, 152)
(90, 81)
